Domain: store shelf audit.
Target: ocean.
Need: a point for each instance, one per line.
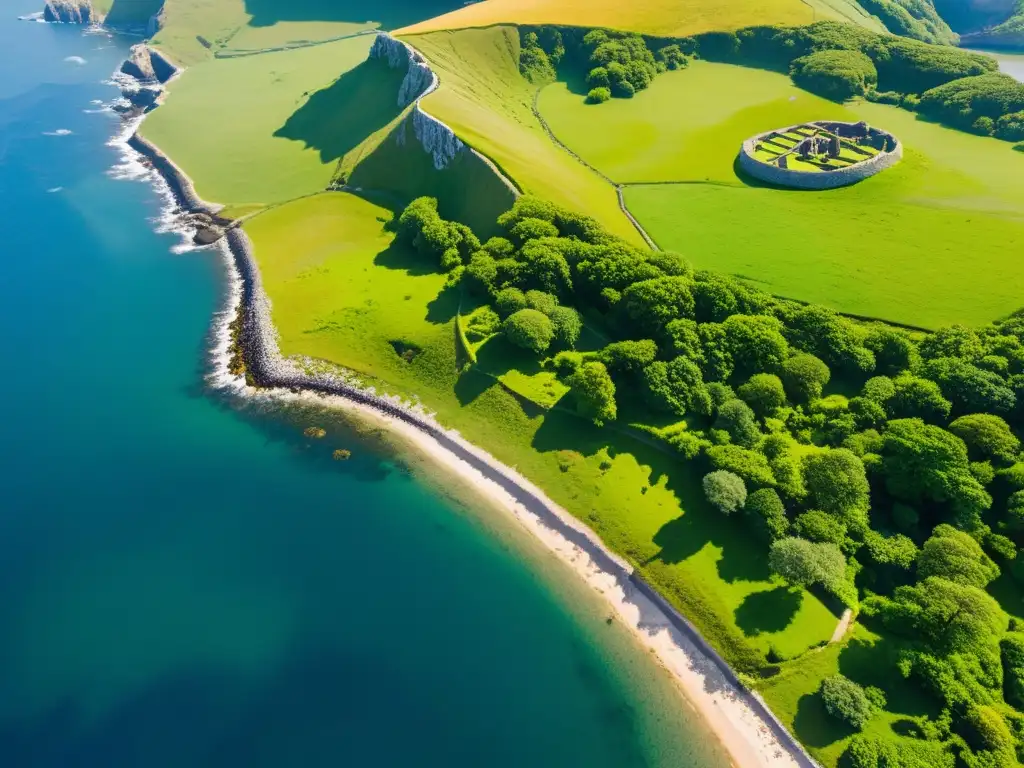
(190, 583)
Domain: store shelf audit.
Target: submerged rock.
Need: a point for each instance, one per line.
(69, 11)
(342, 454)
(315, 432)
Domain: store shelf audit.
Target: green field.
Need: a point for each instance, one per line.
(488, 104)
(268, 128)
(949, 218)
(342, 292)
(669, 18)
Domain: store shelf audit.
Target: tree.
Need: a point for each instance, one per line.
(836, 75)
(922, 462)
(987, 730)
(714, 298)
(917, 398)
(676, 387)
(567, 326)
(752, 466)
(953, 555)
(755, 342)
(896, 550)
(894, 351)
(628, 356)
(594, 392)
(948, 617)
(542, 302)
(802, 563)
(764, 393)
(509, 301)
(969, 388)
(822, 332)
(846, 701)
(767, 514)
(481, 273)
(880, 389)
(1011, 648)
(718, 361)
(986, 436)
(532, 229)
(600, 94)
(954, 341)
(544, 268)
(683, 338)
(736, 418)
(529, 329)
(652, 304)
(725, 491)
(819, 526)
(804, 377)
(838, 484)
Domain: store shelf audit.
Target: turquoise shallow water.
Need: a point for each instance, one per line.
(186, 585)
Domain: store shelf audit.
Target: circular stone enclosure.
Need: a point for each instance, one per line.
(820, 155)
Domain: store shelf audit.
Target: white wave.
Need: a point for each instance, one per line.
(58, 132)
(37, 16)
(54, 189)
(78, 60)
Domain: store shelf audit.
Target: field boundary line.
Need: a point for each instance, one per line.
(618, 187)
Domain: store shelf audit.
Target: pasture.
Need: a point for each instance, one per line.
(489, 105)
(670, 18)
(949, 218)
(342, 291)
(268, 128)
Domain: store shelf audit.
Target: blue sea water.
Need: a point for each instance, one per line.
(183, 584)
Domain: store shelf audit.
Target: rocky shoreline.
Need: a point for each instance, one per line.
(744, 724)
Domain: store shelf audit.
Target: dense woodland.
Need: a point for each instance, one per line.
(838, 61)
(878, 464)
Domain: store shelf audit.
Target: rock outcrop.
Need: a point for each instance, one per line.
(436, 138)
(148, 65)
(139, 64)
(69, 11)
(419, 79)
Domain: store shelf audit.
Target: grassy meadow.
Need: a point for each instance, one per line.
(488, 104)
(955, 202)
(268, 128)
(670, 18)
(342, 291)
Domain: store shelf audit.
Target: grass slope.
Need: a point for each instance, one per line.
(671, 18)
(488, 104)
(342, 292)
(949, 218)
(268, 128)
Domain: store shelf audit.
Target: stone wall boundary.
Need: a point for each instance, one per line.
(821, 180)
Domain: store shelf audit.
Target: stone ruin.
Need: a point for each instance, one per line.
(822, 143)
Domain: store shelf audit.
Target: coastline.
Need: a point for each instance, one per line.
(736, 715)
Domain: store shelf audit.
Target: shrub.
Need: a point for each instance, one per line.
(837, 75)
(764, 393)
(567, 326)
(628, 356)
(529, 329)
(987, 730)
(509, 301)
(804, 376)
(594, 392)
(846, 701)
(962, 102)
(802, 563)
(598, 95)
(767, 514)
(725, 491)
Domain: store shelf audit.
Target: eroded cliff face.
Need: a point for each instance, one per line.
(147, 65)
(69, 11)
(434, 136)
(418, 77)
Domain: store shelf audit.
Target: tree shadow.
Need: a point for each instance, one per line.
(336, 119)
(401, 257)
(874, 662)
(813, 725)
(471, 384)
(769, 611)
(445, 306)
(390, 14)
